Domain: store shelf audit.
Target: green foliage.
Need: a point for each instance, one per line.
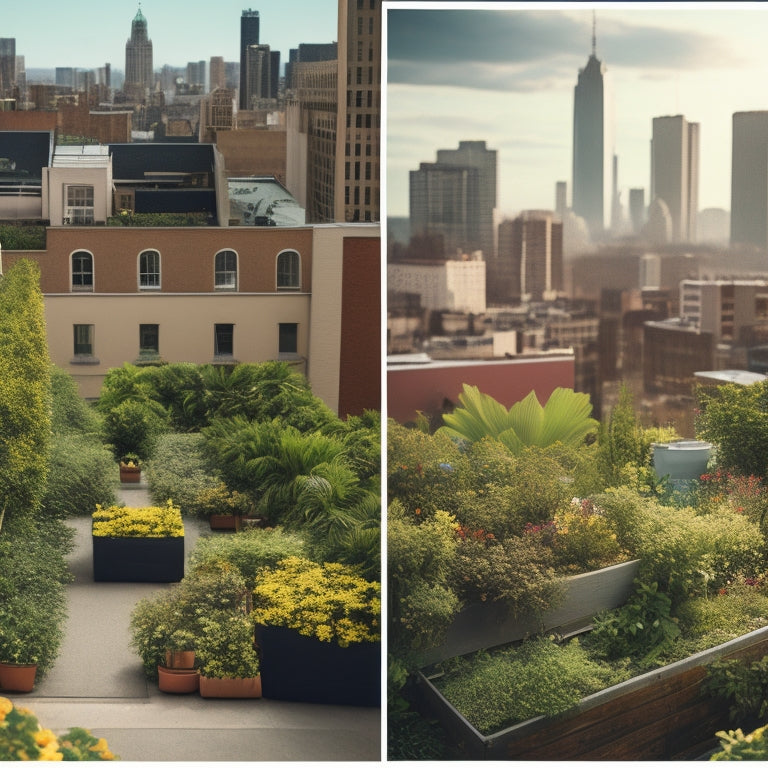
(17, 237)
(642, 628)
(619, 439)
(565, 419)
(735, 419)
(420, 559)
(133, 427)
(224, 647)
(179, 470)
(25, 391)
(744, 685)
(735, 745)
(538, 677)
(82, 474)
(131, 219)
(138, 522)
(249, 550)
(515, 571)
(205, 591)
(70, 412)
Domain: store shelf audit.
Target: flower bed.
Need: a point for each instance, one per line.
(138, 544)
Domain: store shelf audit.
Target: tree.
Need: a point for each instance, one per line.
(25, 391)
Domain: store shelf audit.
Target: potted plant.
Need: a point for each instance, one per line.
(179, 675)
(318, 631)
(29, 641)
(223, 508)
(130, 468)
(229, 664)
(138, 544)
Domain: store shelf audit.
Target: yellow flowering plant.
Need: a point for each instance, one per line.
(138, 522)
(22, 738)
(330, 601)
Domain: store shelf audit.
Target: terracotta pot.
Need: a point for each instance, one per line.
(129, 474)
(177, 680)
(222, 522)
(17, 677)
(231, 687)
(179, 659)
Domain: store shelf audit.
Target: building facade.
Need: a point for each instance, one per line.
(592, 146)
(139, 76)
(675, 173)
(749, 180)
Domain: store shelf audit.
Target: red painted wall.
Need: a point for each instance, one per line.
(426, 388)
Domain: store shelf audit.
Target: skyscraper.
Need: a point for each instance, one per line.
(249, 35)
(7, 65)
(749, 179)
(592, 145)
(675, 172)
(474, 154)
(138, 59)
(258, 74)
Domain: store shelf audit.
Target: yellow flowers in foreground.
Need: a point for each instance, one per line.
(329, 602)
(138, 522)
(22, 738)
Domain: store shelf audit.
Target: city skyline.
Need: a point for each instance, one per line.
(85, 35)
(505, 73)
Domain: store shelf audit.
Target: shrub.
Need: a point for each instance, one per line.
(133, 428)
(735, 745)
(516, 571)
(138, 522)
(516, 683)
(249, 550)
(70, 412)
(180, 471)
(742, 684)
(82, 475)
(224, 648)
(329, 601)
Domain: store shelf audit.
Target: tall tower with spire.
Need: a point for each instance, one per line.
(592, 144)
(138, 59)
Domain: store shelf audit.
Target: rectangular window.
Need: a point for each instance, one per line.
(83, 340)
(149, 339)
(288, 337)
(79, 204)
(223, 339)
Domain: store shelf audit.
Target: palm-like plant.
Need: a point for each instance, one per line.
(566, 418)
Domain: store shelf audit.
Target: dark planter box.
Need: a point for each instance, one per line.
(138, 559)
(661, 715)
(299, 668)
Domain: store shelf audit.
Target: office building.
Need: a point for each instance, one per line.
(561, 198)
(138, 60)
(249, 35)
(675, 173)
(217, 73)
(196, 73)
(258, 74)
(749, 179)
(592, 146)
(637, 209)
(7, 65)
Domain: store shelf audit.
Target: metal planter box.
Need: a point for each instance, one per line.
(138, 559)
(660, 715)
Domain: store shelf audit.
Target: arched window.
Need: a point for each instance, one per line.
(82, 271)
(225, 271)
(288, 271)
(149, 270)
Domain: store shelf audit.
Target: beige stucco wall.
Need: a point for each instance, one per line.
(186, 332)
(55, 180)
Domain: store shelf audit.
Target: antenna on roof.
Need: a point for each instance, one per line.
(594, 36)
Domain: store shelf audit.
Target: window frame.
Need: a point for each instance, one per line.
(220, 328)
(154, 274)
(287, 332)
(287, 274)
(224, 272)
(85, 212)
(83, 287)
(83, 350)
(146, 351)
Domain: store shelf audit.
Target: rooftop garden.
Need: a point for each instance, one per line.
(501, 508)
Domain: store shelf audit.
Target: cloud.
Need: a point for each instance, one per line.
(522, 51)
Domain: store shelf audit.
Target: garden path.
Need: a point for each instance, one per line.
(97, 683)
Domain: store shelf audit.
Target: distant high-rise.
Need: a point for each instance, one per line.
(358, 122)
(217, 73)
(258, 74)
(561, 198)
(249, 35)
(529, 266)
(749, 179)
(7, 65)
(138, 59)
(196, 73)
(592, 146)
(637, 209)
(475, 154)
(675, 173)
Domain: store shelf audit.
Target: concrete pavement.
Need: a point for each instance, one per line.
(98, 683)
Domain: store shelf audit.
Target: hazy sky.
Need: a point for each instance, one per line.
(505, 73)
(88, 33)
